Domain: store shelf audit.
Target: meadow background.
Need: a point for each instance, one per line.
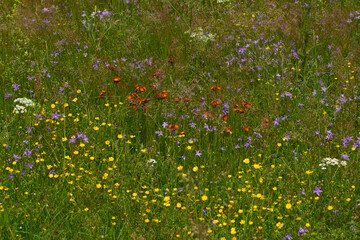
(179, 119)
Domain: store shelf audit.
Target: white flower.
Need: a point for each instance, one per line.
(23, 101)
(199, 35)
(331, 161)
(152, 162)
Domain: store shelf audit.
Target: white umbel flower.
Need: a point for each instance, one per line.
(331, 162)
(25, 102)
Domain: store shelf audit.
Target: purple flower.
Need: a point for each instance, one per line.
(7, 95)
(55, 115)
(288, 237)
(198, 153)
(38, 116)
(11, 176)
(345, 157)
(329, 135)
(302, 231)
(159, 133)
(52, 171)
(276, 121)
(317, 190)
(336, 211)
(29, 129)
(72, 140)
(165, 124)
(16, 157)
(29, 165)
(16, 86)
(303, 192)
(27, 152)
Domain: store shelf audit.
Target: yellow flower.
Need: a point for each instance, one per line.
(288, 206)
(246, 160)
(120, 136)
(204, 198)
(233, 231)
(98, 185)
(279, 225)
(279, 144)
(330, 208)
(257, 166)
(96, 128)
(195, 169)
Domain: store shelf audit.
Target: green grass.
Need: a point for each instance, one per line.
(212, 135)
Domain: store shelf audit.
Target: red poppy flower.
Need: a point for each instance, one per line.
(215, 102)
(227, 129)
(246, 129)
(162, 95)
(102, 94)
(117, 79)
(239, 110)
(246, 104)
(140, 88)
(173, 126)
(215, 88)
(111, 67)
(183, 132)
(145, 100)
(170, 60)
(157, 74)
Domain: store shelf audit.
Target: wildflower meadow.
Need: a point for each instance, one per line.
(180, 119)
